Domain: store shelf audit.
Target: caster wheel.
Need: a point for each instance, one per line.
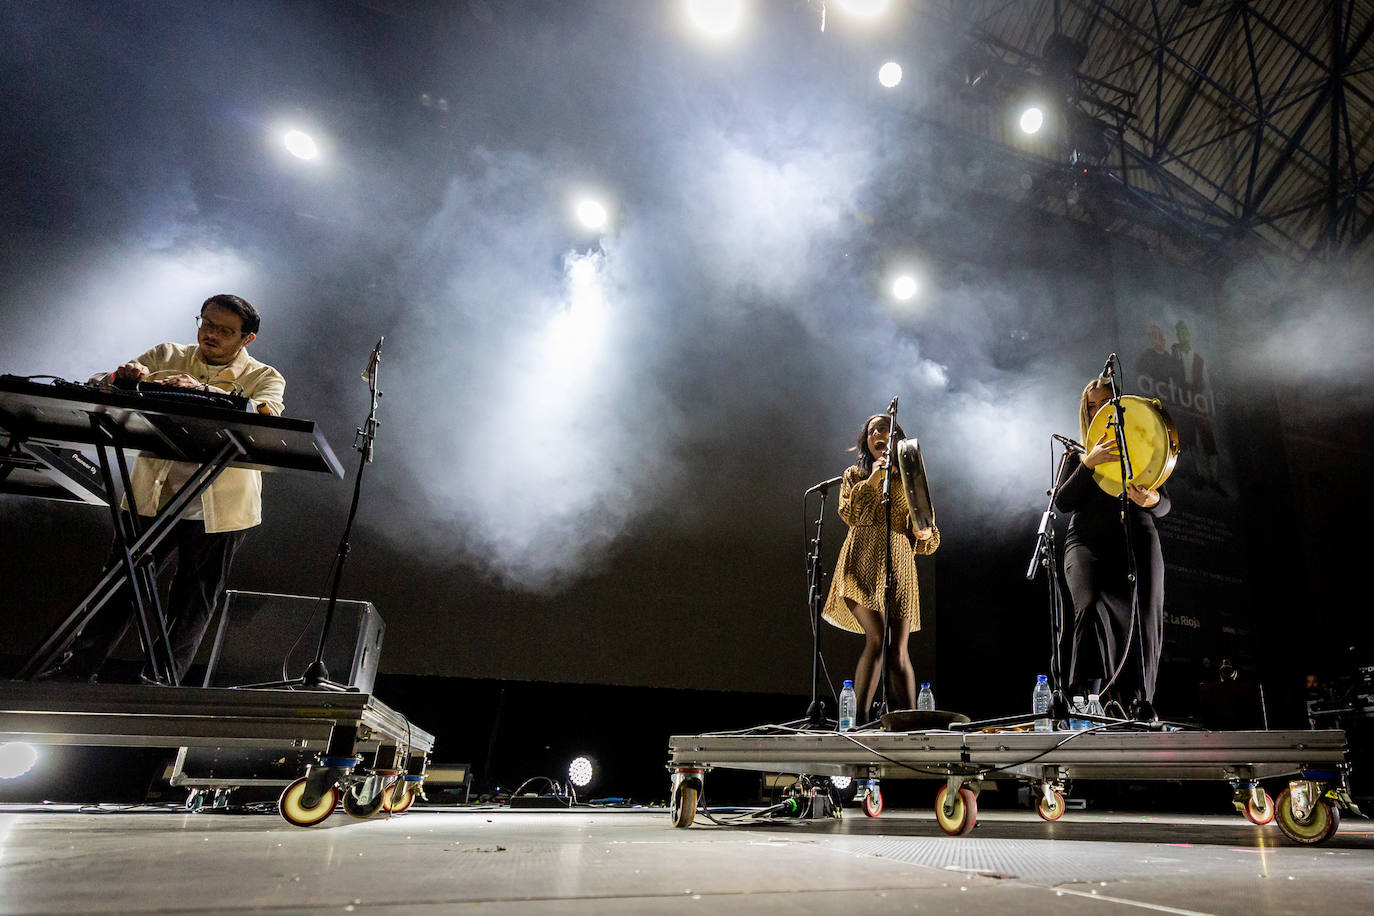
(389, 795)
(354, 808)
(685, 806)
(291, 807)
(1319, 825)
(401, 805)
(1051, 810)
(873, 803)
(1259, 816)
(965, 814)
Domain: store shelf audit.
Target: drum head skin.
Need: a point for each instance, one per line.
(914, 483)
(1151, 443)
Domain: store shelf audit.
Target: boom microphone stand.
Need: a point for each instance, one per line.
(1044, 556)
(889, 580)
(815, 578)
(1118, 425)
(316, 676)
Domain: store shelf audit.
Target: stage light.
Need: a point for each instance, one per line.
(864, 9)
(581, 772)
(904, 287)
(890, 74)
(841, 782)
(16, 759)
(300, 144)
(1032, 119)
(715, 17)
(591, 214)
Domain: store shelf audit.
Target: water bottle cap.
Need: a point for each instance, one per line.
(925, 685)
(1042, 677)
(849, 683)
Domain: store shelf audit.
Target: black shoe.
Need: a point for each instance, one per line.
(1143, 711)
(63, 675)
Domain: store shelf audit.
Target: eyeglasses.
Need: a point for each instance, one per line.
(205, 324)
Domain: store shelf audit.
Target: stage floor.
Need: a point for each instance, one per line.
(633, 862)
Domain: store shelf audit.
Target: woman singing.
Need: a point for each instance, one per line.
(1095, 567)
(856, 594)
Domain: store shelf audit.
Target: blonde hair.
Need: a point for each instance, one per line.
(1084, 418)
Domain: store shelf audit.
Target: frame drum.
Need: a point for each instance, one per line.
(914, 484)
(1151, 443)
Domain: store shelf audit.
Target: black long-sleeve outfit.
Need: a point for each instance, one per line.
(1095, 568)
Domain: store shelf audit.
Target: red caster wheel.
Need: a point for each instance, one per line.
(1262, 815)
(1051, 809)
(964, 815)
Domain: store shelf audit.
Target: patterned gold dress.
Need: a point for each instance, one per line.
(859, 570)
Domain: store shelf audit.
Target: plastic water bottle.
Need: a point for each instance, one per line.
(1079, 705)
(1040, 703)
(849, 702)
(1095, 705)
(927, 698)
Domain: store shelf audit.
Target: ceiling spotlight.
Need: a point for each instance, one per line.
(16, 759)
(904, 287)
(715, 17)
(890, 74)
(591, 214)
(300, 144)
(581, 771)
(1032, 119)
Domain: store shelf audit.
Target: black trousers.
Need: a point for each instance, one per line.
(200, 565)
(1096, 575)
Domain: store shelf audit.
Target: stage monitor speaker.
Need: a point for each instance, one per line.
(262, 634)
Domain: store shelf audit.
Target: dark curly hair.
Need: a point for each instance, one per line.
(866, 458)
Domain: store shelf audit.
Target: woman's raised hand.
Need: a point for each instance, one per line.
(1103, 450)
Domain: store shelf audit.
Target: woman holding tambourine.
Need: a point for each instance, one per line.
(1095, 566)
(856, 600)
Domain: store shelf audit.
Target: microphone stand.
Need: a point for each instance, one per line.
(815, 578)
(1118, 425)
(1045, 556)
(889, 581)
(316, 676)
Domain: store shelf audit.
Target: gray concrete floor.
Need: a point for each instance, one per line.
(630, 862)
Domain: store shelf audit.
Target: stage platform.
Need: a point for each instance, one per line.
(1308, 809)
(325, 741)
(593, 861)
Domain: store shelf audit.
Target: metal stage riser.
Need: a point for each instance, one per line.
(1144, 755)
(145, 716)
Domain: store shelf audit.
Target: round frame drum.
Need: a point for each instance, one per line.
(1151, 442)
(915, 484)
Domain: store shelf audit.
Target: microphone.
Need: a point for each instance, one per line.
(892, 408)
(1070, 444)
(1107, 369)
(373, 361)
(825, 484)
